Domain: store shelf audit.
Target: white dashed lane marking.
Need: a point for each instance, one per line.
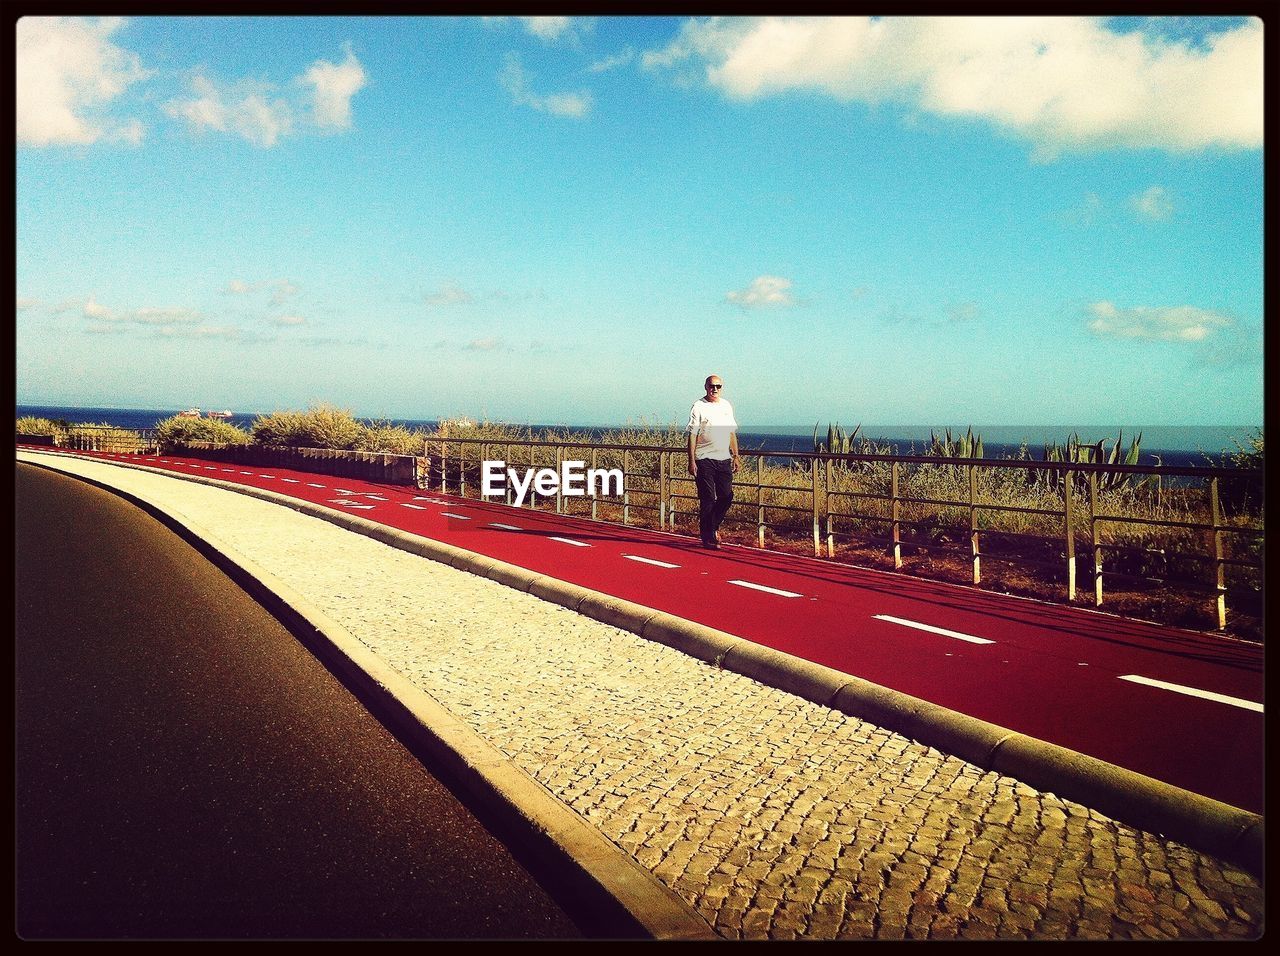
(1194, 692)
(504, 527)
(228, 469)
(449, 514)
(406, 504)
(266, 476)
(766, 589)
(660, 564)
(246, 473)
(310, 484)
(576, 544)
(933, 630)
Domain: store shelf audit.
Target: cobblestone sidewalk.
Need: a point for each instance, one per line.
(774, 817)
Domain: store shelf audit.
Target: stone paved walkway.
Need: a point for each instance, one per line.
(774, 817)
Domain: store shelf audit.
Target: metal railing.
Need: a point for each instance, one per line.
(109, 438)
(830, 481)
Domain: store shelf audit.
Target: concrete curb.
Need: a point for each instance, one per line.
(627, 898)
(1125, 795)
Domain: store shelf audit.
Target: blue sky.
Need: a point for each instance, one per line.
(962, 220)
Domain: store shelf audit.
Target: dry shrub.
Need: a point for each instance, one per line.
(179, 431)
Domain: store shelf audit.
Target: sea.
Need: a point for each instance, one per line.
(1177, 446)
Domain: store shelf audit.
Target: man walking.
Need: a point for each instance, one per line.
(713, 458)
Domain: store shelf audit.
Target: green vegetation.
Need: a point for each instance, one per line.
(30, 425)
(178, 431)
(320, 426)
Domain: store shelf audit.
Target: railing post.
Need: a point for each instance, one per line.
(973, 524)
(594, 496)
(896, 504)
(626, 495)
(529, 497)
(760, 499)
(1093, 534)
(462, 469)
(1220, 588)
(826, 507)
(444, 468)
(507, 484)
(1068, 481)
(672, 508)
(559, 470)
(662, 490)
(817, 545)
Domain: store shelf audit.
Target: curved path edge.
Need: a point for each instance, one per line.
(625, 898)
(1200, 822)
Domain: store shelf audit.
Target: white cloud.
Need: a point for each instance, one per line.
(547, 29)
(333, 85)
(764, 292)
(242, 108)
(1085, 214)
(613, 62)
(258, 112)
(199, 332)
(1153, 205)
(93, 309)
(1183, 323)
(68, 72)
(1060, 82)
(515, 80)
(449, 294)
(281, 289)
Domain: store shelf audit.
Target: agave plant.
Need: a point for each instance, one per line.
(1096, 453)
(837, 442)
(967, 445)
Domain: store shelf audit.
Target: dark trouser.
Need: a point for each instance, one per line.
(715, 494)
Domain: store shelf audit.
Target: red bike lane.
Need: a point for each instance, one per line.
(1181, 706)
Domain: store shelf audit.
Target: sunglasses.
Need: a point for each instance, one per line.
(715, 388)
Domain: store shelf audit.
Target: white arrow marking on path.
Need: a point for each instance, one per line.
(935, 630)
(1194, 692)
(576, 544)
(405, 504)
(450, 515)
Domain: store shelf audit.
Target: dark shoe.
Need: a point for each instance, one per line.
(711, 546)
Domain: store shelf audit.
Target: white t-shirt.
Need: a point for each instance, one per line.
(713, 423)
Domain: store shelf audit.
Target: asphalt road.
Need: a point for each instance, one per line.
(186, 769)
(1181, 706)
